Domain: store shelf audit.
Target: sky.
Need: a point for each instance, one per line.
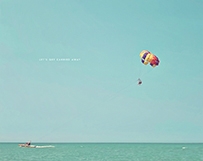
(69, 70)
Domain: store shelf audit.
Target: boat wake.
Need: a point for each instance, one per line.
(45, 146)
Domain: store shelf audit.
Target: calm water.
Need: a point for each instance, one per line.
(102, 152)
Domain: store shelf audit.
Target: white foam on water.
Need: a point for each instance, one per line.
(45, 146)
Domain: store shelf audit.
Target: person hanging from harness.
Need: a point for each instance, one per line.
(139, 82)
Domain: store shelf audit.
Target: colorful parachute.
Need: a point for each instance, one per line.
(147, 57)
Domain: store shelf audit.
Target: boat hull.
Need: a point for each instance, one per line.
(26, 146)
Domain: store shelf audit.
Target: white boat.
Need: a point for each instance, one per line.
(26, 146)
(35, 146)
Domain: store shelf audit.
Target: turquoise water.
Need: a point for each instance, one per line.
(102, 152)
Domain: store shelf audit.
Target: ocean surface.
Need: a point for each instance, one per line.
(102, 152)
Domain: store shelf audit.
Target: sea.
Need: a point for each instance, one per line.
(102, 152)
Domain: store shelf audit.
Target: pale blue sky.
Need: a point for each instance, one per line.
(92, 96)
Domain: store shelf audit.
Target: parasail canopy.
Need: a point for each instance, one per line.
(148, 57)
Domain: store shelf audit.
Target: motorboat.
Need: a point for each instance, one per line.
(26, 146)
